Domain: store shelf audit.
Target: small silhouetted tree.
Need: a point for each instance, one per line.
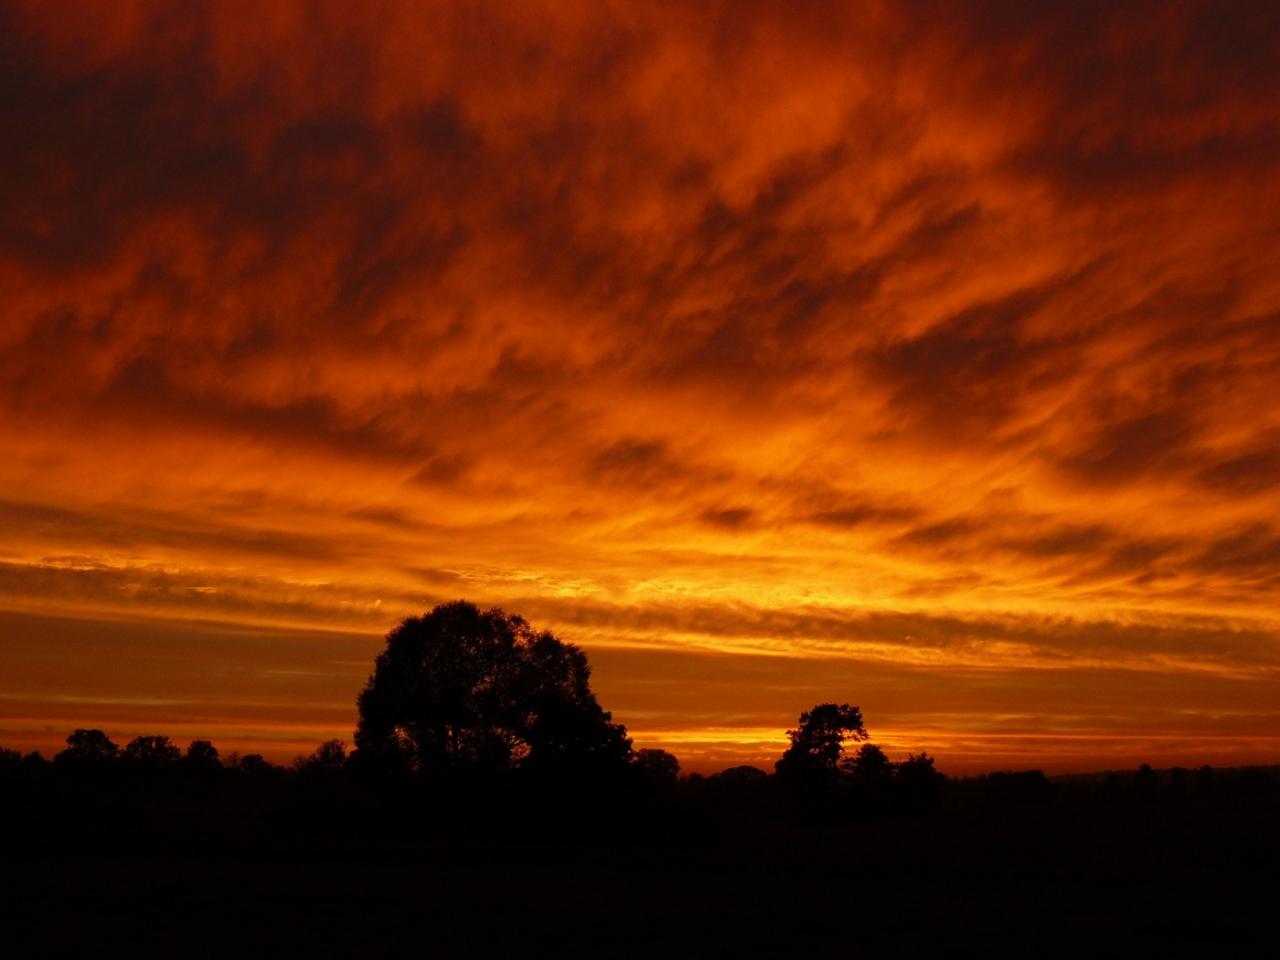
(1145, 782)
(817, 744)
(869, 765)
(251, 765)
(656, 768)
(151, 753)
(88, 748)
(869, 775)
(743, 774)
(917, 784)
(201, 757)
(329, 757)
(737, 788)
(462, 693)
(10, 762)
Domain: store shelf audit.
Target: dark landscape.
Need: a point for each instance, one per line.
(323, 857)
(522, 478)
(517, 813)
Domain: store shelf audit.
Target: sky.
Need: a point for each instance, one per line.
(920, 356)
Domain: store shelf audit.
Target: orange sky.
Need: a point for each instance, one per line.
(920, 356)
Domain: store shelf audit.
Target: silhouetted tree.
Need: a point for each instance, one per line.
(151, 753)
(817, 744)
(462, 692)
(869, 765)
(201, 757)
(656, 767)
(917, 783)
(10, 762)
(736, 788)
(1145, 782)
(329, 757)
(87, 748)
(251, 765)
(741, 774)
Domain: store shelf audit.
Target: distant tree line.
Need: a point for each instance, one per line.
(477, 713)
(469, 697)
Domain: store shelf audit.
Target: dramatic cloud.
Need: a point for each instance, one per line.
(917, 355)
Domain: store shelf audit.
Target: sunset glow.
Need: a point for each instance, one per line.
(920, 356)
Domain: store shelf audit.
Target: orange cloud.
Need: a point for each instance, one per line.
(858, 345)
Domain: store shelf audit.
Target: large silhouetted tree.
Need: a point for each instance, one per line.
(466, 693)
(817, 744)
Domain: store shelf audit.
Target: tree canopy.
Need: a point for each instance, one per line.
(817, 743)
(466, 693)
(88, 748)
(656, 767)
(151, 752)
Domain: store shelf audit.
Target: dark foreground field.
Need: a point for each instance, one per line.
(332, 867)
